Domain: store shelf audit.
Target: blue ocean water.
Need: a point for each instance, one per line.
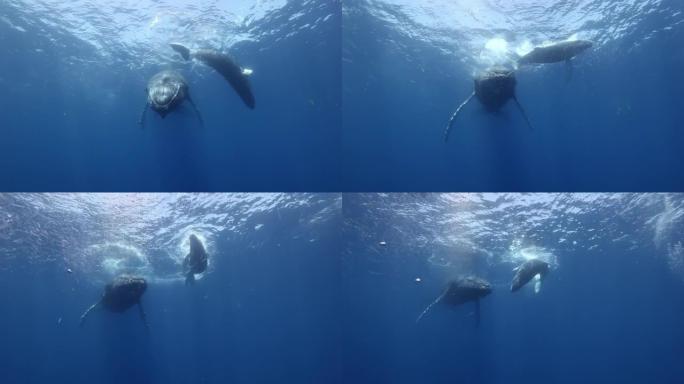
(610, 309)
(74, 74)
(326, 288)
(266, 311)
(615, 125)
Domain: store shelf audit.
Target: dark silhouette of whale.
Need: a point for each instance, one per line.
(119, 295)
(461, 291)
(493, 88)
(166, 91)
(224, 65)
(527, 271)
(195, 261)
(554, 53)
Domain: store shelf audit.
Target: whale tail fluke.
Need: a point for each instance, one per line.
(181, 49)
(453, 117)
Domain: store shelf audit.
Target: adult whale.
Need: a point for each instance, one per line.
(225, 65)
(461, 291)
(555, 53)
(166, 91)
(493, 88)
(119, 295)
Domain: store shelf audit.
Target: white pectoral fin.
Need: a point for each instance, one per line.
(247, 71)
(537, 283)
(453, 116)
(86, 313)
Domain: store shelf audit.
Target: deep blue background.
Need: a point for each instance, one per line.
(265, 314)
(58, 135)
(601, 316)
(616, 126)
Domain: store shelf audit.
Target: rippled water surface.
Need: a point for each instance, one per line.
(105, 235)
(447, 230)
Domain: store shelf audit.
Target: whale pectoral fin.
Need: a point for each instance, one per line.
(181, 49)
(477, 312)
(141, 121)
(143, 316)
(427, 309)
(522, 111)
(453, 117)
(194, 107)
(537, 283)
(86, 313)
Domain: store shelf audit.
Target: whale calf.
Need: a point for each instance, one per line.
(225, 65)
(493, 88)
(554, 53)
(119, 295)
(461, 291)
(166, 91)
(195, 261)
(530, 269)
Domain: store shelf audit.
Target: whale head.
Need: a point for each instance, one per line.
(165, 91)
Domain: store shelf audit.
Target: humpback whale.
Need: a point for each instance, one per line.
(166, 91)
(562, 51)
(195, 261)
(530, 269)
(119, 295)
(226, 66)
(493, 88)
(461, 291)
